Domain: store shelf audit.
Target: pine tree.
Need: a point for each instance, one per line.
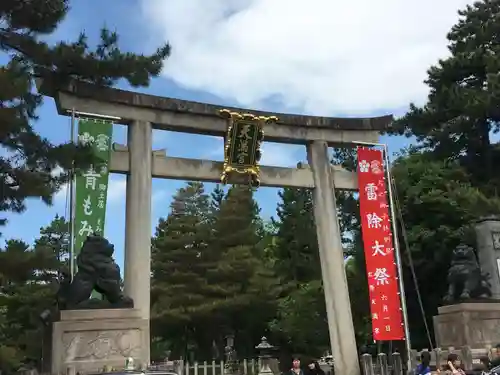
(246, 288)
(54, 241)
(438, 205)
(358, 290)
(462, 109)
(301, 322)
(217, 197)
(26, 289)
(347, 202)
(237, 218)
(296, 250)
(233, 246)
(178, 265)
(27, 169)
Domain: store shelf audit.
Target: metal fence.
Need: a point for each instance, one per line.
(247, 367)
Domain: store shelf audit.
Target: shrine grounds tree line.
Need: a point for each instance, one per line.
(218, 266)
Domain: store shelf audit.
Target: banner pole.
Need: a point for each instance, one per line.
(72, 203)
(397, 254)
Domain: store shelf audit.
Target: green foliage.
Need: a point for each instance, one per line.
(297, 256)
(300, 325)
(463, 104)
(209, 278)
(9, 359)
(268, 242)
(28, 282)
(240, 212)
(439, 205)
(249, 286)
(358, 291)
(179, 263)
(55, 240)
(217, 197)
(27, 169)
(302, 317)
(296, 259)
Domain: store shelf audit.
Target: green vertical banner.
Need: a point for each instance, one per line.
(92, 183)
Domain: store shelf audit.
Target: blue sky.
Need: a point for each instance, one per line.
(124, 16)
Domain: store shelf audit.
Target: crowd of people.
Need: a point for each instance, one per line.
(454, 364)
(313, 368)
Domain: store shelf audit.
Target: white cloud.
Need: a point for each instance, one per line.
(57, 171)
(279, 155)
(323, 56)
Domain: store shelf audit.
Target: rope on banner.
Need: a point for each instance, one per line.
(410, 262)
(69, 204)
(71, 188)
(398, 254)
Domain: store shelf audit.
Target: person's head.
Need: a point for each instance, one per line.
(314, 365)
(296, 363)
(455, 360)
(425, 358)
(497, 349)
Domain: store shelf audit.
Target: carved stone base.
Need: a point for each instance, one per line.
(88, 340)
(475, 324)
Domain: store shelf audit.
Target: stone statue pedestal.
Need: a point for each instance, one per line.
(474, 324)
(88, 340)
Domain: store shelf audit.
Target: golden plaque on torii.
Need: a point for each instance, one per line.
(242, 146)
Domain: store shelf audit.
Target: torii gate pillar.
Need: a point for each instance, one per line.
(338, 306)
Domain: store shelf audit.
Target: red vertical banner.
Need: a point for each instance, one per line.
(385, 303)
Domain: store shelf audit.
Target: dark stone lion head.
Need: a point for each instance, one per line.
(96, 257)
(463, 253)
(465, 280)
(98, 245)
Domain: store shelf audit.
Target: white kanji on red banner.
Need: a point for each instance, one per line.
(376, 167)
(381, 276)
(364, 166)
(385, 304)
(373, 220)
(371, 192)
(378, 249)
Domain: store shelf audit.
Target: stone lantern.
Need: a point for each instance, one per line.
(232, 365)
(265, 354)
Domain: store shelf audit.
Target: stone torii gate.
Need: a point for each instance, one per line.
(141, 113)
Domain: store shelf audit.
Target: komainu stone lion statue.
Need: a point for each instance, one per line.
(465, 280)
(96, 271)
